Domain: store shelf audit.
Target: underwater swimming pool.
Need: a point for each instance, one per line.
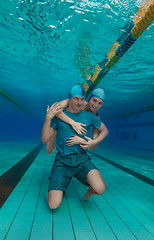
(46, 47)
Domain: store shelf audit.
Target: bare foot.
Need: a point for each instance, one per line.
(89, 193)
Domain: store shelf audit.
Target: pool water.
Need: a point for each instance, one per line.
(46, 47)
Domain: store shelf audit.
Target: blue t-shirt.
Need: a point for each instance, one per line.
(65, 131)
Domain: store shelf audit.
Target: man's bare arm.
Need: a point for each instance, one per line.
(47, 131)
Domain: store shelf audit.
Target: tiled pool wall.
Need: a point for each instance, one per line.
(136, 130)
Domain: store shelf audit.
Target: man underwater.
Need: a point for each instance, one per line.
(72, 161)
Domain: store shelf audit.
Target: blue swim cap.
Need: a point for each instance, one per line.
(77, 91)
(99, 93)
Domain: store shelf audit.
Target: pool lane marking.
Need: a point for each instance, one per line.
(127, 170)
(12, 100)
(141, 23)
(11, 178)
(136, 156)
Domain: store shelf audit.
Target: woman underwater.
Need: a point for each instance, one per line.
(94, 103)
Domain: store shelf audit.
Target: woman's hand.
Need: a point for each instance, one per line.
(54, 109)
(88, 144)
(78, 127)
(75, 140)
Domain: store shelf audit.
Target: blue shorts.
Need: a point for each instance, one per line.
(62, 173)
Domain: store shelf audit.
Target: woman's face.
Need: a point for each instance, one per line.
(95, 103)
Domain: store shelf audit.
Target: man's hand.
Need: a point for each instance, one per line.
(75, 140)
(54, 109)
(88, 144)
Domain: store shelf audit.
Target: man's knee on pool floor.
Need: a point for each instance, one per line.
(54, 198)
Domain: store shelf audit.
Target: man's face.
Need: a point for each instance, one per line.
(77, 103)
